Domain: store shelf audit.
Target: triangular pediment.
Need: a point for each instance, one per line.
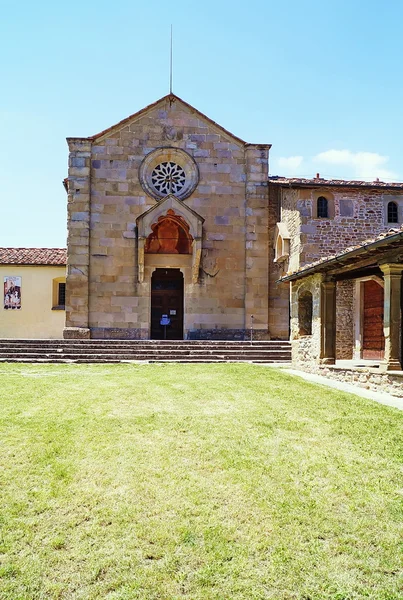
(170, 202)
(169, 99)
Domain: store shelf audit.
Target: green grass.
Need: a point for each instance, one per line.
(215, 482)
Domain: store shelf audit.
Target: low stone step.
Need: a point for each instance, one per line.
(140, 352)
(151, 361)
(145, 345)
(139, 348)
(146, 357)
(114, 351)
(139, 341)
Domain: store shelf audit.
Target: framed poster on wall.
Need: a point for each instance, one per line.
(12, 293)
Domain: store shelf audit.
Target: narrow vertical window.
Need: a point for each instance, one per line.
(392, 213)
(323, 209)
(62, 294)
(279, 247)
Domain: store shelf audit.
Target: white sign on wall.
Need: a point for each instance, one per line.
(12, 293)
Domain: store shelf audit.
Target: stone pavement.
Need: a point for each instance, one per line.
(380, 397)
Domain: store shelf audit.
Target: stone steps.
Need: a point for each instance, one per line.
(133, 360)
(139, 343)
(142, 354)
(115, 351)
(140, 350)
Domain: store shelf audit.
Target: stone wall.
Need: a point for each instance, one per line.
(344, 319)
(256, 238)
(78, 257)
(279, 294)
(369, 378)
(104, 292)
(356, 215)
(293, 211)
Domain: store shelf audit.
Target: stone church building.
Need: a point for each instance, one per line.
(170, 216)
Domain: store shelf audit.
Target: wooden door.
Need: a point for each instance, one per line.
(167, 299)
(373, 345)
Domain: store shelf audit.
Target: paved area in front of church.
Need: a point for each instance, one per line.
(380, 397)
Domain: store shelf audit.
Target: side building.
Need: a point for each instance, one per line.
(318, 218)
(34, 283)
(371, 339)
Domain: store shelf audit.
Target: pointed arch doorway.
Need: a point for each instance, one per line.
(167, 299)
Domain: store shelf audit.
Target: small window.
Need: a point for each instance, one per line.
(392, 213)
(323, 209)
(61, 294)
(282, 243)
(305, 313)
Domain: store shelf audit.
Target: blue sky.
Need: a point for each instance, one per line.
(321, 81)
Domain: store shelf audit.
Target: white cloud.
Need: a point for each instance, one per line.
(292, 162)
(365, 165)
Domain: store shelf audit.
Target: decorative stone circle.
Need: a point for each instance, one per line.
(168, 178)
(168, 171)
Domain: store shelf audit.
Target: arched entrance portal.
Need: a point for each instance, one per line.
(167, 299)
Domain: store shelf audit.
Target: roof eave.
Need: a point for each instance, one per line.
(342, 258)
(34, 264)
(329, 183)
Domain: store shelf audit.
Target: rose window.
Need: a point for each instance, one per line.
(167, 171)
(168, 178)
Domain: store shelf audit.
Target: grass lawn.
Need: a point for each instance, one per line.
(213, 482)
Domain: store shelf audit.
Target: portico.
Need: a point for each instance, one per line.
(376, 326)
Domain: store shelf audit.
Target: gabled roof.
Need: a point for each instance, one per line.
(349, 255)
(33, 256)
(171, 98)
(319, 182)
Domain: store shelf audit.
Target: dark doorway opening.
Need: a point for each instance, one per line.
(167, 299)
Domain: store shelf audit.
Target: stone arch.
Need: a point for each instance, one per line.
(183, 223)
(281, 243)
(393, 212)
(305, 312)
(323, 205)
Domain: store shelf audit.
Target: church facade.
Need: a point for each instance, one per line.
(167, 215)
(172, 219)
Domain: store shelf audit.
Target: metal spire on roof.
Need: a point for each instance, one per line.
(170, 66)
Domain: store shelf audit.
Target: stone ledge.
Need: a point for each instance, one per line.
(369, 378)
(358, 369)
(364, 369)
(76, 333)
(227, 334)
(117, 333)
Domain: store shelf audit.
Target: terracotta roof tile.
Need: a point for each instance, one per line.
(33, 256)
(385, 237)
(318, 182)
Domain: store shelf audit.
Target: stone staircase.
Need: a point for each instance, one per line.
(116, 351)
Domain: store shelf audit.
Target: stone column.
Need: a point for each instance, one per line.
(257, 239)
(392, 317)
(328, 322)
(78, 227)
